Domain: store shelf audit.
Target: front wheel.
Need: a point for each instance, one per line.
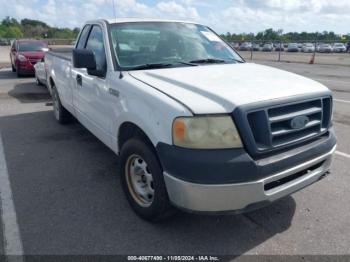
(143, 181)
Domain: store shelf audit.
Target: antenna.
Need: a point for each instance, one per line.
(115, 16)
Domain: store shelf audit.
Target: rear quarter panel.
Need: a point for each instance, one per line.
(59, 71)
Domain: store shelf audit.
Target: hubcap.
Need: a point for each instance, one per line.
(55, 105)
(139, 180)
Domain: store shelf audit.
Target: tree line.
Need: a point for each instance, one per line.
(278, 35)
(28, 28)
(11, 28)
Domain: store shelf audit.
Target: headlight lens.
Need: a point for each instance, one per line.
(21, 58)
(205, 132)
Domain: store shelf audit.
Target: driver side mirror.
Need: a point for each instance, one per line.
(85, 58)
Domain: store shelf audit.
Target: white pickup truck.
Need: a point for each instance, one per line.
(196, 127)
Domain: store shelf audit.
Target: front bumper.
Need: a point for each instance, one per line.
(25, 67)
(255, 183)
(243, 197)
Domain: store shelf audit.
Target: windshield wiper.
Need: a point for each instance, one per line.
(151, 66)
(160, 65)
(185, 63)
(207, 61)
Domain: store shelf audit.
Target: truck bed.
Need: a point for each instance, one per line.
(64, 53)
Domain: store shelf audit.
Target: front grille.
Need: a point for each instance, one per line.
(33, 61)
(282, 125)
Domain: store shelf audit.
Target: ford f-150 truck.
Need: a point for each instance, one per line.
(195, 126)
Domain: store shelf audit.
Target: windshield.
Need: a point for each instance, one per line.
(31, 46)
(142, 43)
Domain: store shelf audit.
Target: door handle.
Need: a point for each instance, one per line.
(113, 92)
(79, 80)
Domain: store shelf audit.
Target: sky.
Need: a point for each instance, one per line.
(235, 16)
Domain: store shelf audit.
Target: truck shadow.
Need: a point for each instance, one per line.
(24, 89)
(68, 199)
(29, 92)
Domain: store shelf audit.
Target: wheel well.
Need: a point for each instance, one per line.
(52, 83)
(129, 130)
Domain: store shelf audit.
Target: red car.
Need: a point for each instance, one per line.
(25, 53)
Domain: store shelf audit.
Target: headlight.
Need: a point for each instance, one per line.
(21, 58)
(206, 132)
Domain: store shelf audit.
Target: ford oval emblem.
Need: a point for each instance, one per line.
(299, 122)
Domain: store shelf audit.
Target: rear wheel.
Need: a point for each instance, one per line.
(37, 81)
(143, 181)
(61, 114)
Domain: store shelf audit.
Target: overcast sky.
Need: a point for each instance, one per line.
(222, 15)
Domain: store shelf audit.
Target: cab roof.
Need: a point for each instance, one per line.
(136, 20)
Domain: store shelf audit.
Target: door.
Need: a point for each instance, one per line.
(91, 93)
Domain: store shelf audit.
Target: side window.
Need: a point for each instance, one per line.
(95, 43)
(83, 36)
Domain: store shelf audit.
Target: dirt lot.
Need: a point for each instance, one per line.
(320, 58)
(4, 56)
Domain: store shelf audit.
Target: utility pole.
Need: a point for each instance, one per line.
(115, 16)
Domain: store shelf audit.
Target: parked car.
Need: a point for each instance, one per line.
(325, 48)
(339, 48)
(246, 46)
(279, 47)
(308, 48)
(293, 47)
(4, 42)
(25, 53)
(267, 48)
(235, 45)
(40, 72)
(190, 134)
(256, 47)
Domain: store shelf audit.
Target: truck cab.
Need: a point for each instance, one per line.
(195, 126)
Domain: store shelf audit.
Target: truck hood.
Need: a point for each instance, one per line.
(221, 88)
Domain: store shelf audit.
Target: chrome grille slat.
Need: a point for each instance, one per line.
(309, 111)
(288, 131)
(275, 128)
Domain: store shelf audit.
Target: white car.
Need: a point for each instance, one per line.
(339, 48)
(308, 48)
(40, 72)
(195, 126)
(325, 48)
(293, 47)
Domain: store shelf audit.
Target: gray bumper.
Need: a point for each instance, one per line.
(245, 196)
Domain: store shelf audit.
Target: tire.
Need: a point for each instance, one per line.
(61, 114)
(18, 73)
(13, 68)
(152, 209)
(37, 81)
